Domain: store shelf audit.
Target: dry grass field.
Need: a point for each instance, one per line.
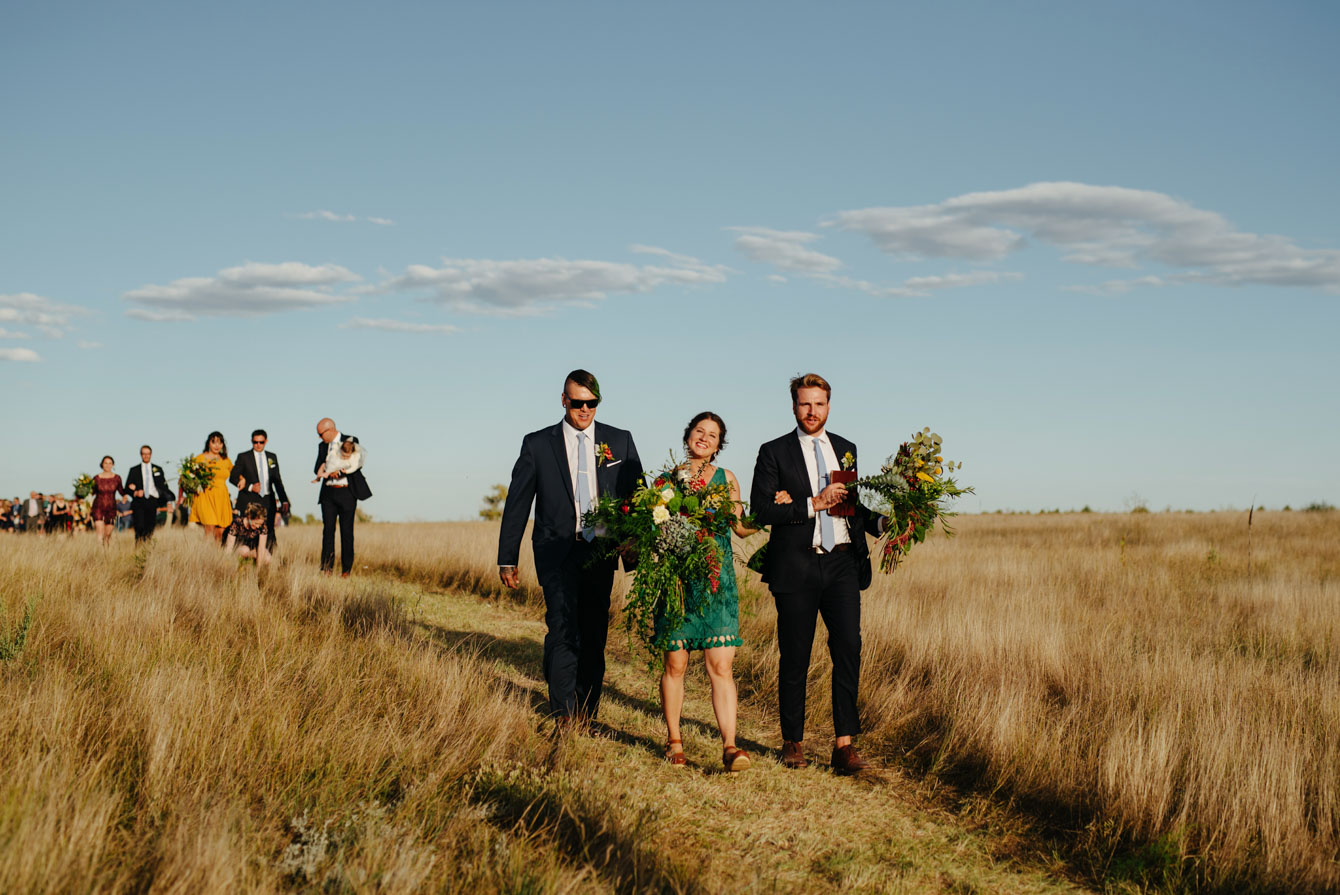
(1113, 700)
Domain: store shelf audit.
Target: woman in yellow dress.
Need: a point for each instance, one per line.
(213, 507)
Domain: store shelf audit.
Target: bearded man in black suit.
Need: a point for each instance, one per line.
(256, 477)
(148, 493)
(563, 469)
(816, 564)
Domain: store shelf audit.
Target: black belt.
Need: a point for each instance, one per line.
(837, 548)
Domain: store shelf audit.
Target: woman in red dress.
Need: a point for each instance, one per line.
(106, 485)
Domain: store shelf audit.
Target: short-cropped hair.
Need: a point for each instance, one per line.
(261, 433)
(809, 380)
(585, 380)
(145, 447)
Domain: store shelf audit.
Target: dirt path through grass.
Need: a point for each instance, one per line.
(769, 829)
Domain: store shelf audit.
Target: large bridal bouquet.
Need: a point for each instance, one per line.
(193, 476)
(670, 526)
(913, 489)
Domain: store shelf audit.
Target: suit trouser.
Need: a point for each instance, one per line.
(337, 505)
(143, 515)
(827, 586)
(577, 614)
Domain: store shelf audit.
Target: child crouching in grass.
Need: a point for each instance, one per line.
(249, 534)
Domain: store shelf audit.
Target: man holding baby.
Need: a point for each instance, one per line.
(339, 463)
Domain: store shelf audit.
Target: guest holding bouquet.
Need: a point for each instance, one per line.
(711, 621)
(106, 485)
(213, 507)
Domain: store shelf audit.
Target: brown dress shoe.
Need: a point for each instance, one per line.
(846, 760)
(793, 755)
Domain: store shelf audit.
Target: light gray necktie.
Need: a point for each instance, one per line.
(826, 536)
(583, 484)
(261, 472)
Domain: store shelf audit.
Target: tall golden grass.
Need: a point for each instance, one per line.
(1124, 675)
(173, 724)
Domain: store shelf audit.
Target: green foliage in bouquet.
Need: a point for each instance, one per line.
(83, 486)
(912, 488)
(193, 476)
(670, 528)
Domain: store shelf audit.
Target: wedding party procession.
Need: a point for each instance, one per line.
(765, 448)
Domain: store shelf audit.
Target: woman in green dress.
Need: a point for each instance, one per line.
(712, 622)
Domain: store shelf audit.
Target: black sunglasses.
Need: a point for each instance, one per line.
(580, 403)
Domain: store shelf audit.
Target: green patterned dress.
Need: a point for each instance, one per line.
(711, 619)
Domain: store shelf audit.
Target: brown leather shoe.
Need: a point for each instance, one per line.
(735, 760)
(846, 760)
(793, 755)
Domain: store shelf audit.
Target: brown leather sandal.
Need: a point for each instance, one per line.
(734, 759)
(675, 758)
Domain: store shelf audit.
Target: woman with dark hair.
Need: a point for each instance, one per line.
(106, 484)
(213, 507)
(712, 620)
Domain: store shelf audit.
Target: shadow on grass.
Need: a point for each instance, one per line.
(525, 657)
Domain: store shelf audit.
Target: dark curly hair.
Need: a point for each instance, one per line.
(707, 415)
(223, 441)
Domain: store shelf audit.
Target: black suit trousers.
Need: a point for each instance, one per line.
(143, 515)
(827, 585)
(577, 612)
(337, 505)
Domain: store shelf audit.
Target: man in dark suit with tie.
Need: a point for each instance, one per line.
(563, 469)
(338, 498)
(256, 477)
(148, 492)
(816, 564)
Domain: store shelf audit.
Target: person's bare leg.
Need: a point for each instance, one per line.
(672, 694)
(724, 699)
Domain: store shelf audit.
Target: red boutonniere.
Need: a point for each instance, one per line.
(603, 454)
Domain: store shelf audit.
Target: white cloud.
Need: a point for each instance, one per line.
(775, 278)
(48, 317)
(247, 290)
(785, 249)
(335, 217)
(13, 334)
(159, 316)
(324, 215)
(1104, 226)
(536, 285)
(398, 326)
(19, 355)
(1117, 287)
(920, 287)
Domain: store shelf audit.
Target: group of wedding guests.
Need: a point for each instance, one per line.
(816, 564)
(44, 514)
(245, 523)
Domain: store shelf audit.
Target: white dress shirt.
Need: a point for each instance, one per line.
(147, 474)
(332, 463)
(262, 472)
(570, 441)
(841, 535)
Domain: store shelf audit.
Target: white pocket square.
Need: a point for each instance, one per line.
(612, 463)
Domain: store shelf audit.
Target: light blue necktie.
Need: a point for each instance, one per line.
(583, 484)
(826, 537)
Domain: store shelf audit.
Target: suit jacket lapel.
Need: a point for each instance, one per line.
(561, 456)
(797, 455)
(606, 478)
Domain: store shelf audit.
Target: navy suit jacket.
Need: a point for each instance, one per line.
(245, 468)
(781, 467)
(541, 476)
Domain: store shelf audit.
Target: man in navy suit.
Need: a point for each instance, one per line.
(816, 564)
(256, 473)
(563, 469)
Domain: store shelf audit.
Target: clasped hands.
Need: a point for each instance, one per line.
(830, 497)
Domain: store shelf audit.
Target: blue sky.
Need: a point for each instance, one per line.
(1094, 247)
